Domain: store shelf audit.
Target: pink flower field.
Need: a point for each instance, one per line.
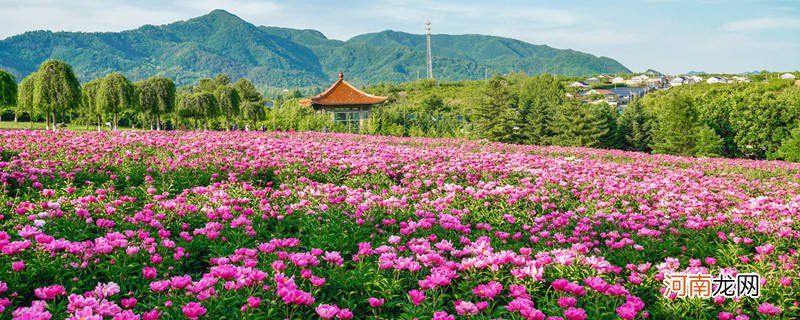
(214, 225)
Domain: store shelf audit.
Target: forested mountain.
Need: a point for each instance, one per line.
(220, 42)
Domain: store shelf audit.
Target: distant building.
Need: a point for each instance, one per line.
(677, 81)
(693, 80)
(579, 84)
(592, 80)
(740, 79)
(787, 76)
(617, 80)
(713, 80)
(347, 105)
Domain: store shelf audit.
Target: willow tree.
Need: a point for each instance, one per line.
(228, 100)
(56, 90)
(8, 92)
(156, 97)
(198, 106)
(89, 105)
(252, 102)
(25, 97)
(115, 95)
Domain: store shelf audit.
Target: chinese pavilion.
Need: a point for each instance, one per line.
(346, 104)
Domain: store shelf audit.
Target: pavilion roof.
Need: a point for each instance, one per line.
(342, 93)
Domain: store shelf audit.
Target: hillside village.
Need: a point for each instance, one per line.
(619, 91)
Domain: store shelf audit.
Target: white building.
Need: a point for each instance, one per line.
(787, 76)
(678, 81)
(694, 80)
(617, 80)
(713, 80)
(592, 80)
(578, 84)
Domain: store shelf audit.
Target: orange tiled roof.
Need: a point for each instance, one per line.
(342, 93)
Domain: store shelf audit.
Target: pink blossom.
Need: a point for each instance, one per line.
(192, 310)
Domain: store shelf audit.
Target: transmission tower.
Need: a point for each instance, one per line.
(430, 57)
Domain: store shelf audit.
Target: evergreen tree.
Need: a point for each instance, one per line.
(674, 125)
(539, 97)
(709, 143)
(497, 117)
(580, 125)
(115, 95)
(634, 127)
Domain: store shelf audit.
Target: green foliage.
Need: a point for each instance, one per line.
(229, 101)
(674, 122)
(539, 96)
(790, 147)
(56, 88)
(8, 89)
(156, 97)
(581, 125)
(709, 143)
(199, 106)
(25, 95)
(497, 117)
(634, 127)
(115, 95)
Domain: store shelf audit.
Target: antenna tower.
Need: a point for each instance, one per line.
(430, 57)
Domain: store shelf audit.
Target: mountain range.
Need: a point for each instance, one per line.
(220, 42)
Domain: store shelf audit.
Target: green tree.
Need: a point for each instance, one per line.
(228, 100)
(56, 90)
(540, 95)
(580, 125)
(709, 143)
(790, 147)
(634, 127)
(156, 97)
(89, 104)
(8, 92)
(252, 102)
(674, 124)
(115, 95)
(497, 117)
(198, 106)
(25, 98)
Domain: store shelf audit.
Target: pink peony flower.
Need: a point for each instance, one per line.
(192, 310)
(768, 309)
(575, 314)
(18, 265)
(565, 302)
(327, 311)
(417, 296)
(49, 293)
(375, 302)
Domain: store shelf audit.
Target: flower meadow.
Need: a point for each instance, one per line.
(205, 225)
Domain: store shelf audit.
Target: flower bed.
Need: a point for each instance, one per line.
(306, 225)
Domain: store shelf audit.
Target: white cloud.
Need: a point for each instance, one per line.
(762, 24)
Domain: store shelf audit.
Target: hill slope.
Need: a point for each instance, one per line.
(220, 42)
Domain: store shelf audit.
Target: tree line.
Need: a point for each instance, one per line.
(756, 120)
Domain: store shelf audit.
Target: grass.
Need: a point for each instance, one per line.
(11, 125)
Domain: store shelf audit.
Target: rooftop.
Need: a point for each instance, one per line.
(342, 93)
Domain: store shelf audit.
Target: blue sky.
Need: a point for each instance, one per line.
(672, 36)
